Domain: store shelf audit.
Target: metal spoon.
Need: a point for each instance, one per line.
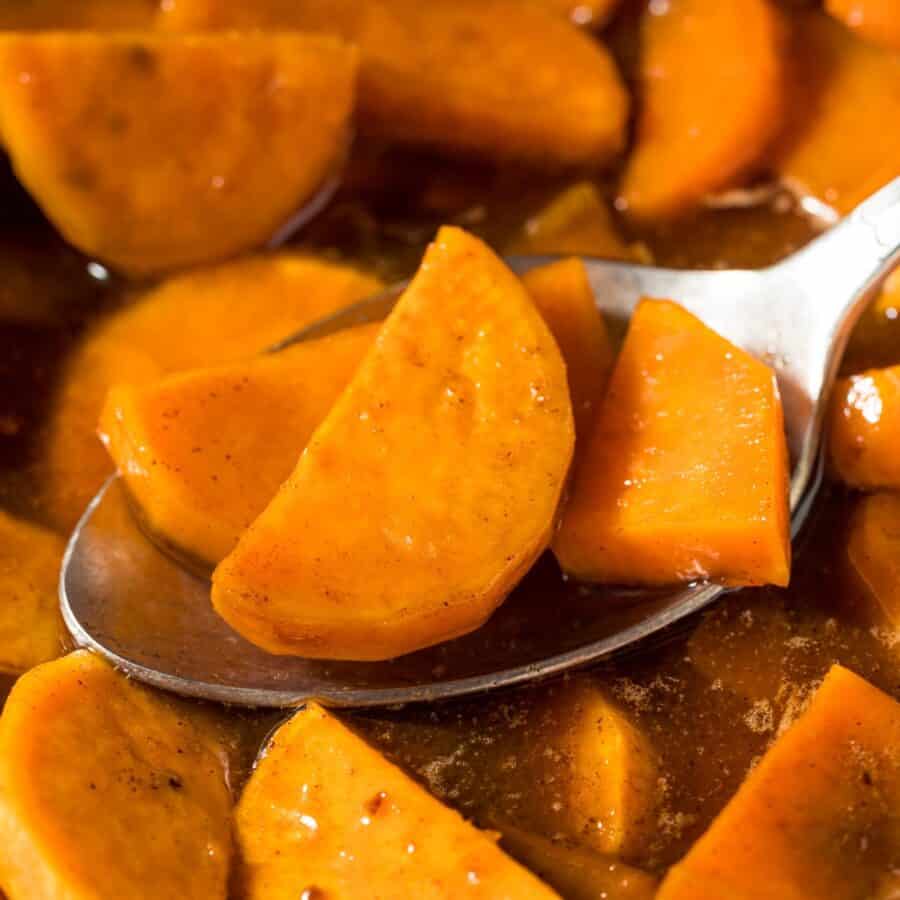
(134, 604)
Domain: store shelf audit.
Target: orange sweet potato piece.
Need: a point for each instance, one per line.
(864, 429)
(697, 132)
(818, 817)
(562, 293)
(877, 21)
(834, 147)
(465, 379)
(204, 451)
(685, 473)
(325, 814)
(204, 318)
(594, 13)
(31, 629)
(499, 78)
(106, 791)
(149, 176)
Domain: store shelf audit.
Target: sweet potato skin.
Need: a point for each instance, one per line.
(877, 21)
(202, 452)
(106, 791)
(696, 134)
(325, 812)
(817, 817)
(182, 182)
(466, 377)
(665, 490)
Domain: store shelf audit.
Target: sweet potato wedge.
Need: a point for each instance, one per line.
(31, 630)
(877, 21)
(864, 429)
(685, 472)
(106, 791)
(203, 452)
(465, 379)
(499, 78)
(150, 177)
(94, 15)
(834, 147)
(563, 296)
(326, 815)
(818, 817)
(697, 134)
(215, 315)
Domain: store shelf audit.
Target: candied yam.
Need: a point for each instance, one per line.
(106, 791)
(699, 132)
(466, 379)
(877, 21)
(818, 817)
(498, 78)
(835, 147)
(563, 295)
(203, 452)
(864, 429)
(685, 472)
(214, 315)
(876, 339)
(324, 814)
(593, 13)
(31, 630)
(149, 176)
(94, 15)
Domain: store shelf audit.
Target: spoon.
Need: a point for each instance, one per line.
(132, 602)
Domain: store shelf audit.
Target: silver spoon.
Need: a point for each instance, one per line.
(125, 598)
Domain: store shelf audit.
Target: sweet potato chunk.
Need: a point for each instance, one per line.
(499, 78)
(836, 148)
(106, 791)
(695, 133)
(326, 815)
(864, 429)
(203, 452)
(204, 318)
(685, 472)
(877, 21)
(94, 15)
(438, 473)
(31, 630)
(819, 817)
(562, 293)
(149, 176)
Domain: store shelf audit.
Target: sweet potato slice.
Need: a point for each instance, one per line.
(106, 791)
(203, 452)
(864, 429)
(697, 134)
(438, 473)
(834, 147)
(326, 815)
(499, 78)
(562, 293)
(877, 21)
(149, 176)
(204, 318)
(31, 630)
(685, 472)
(819, 817)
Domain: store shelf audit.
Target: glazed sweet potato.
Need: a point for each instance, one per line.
(876, 339)
(562, 293)
(94, 15)
(877, 21)
(834, 147)
(326, 815)
(594, 13)
(499, 78)
(438, 473)
(149, 177)
(31, 630)
(818, 817)
(211, 316)
(685, 473)
(203, 452)
(106, 791)
(698, 133)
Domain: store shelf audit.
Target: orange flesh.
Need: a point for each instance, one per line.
(877, 21)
